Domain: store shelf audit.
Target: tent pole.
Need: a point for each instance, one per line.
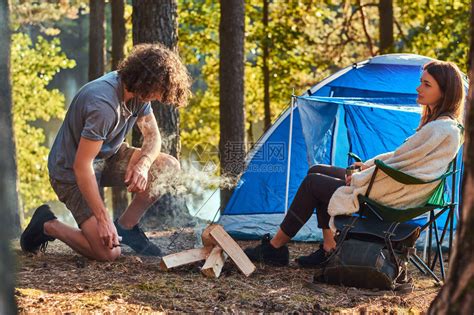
(289, 152)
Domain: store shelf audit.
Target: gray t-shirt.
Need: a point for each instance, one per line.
(95, 113)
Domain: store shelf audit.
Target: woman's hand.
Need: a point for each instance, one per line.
(348, 180)
(361, 165)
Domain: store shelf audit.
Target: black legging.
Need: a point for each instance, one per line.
(314, 192)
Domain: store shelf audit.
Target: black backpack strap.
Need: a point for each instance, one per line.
(388, 242)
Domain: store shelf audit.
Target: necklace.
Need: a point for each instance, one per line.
(126, 112)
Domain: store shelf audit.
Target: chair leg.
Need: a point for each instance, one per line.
(430, 238)
(427, 269)
(438, 247)
(451, 230)
(443, 234)
(425, 246)
(417, 265)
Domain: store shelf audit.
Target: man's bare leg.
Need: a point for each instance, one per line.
(85, 241)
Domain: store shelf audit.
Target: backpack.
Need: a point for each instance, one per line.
(370, 254)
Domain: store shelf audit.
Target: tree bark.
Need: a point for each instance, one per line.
(119, 194)
(231, 91)
(386, 26)
(8, 168)
(96, 39)
(470, 59)
(457, 294)
(265, 68)
(157, 22)
(118, 31)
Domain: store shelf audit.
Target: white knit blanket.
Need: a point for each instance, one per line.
(425, 155)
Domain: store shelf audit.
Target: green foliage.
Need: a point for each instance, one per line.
(437, 29)
(44, 13)
(294, 53)
(33, 68)
(199, 48)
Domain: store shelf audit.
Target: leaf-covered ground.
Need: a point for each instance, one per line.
(60, 281)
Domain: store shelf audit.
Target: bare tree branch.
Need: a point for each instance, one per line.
(399, 28)
(367, 35)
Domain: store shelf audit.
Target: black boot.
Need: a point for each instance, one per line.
(137, 240)
(33, 238)
(268, 254)
(315, 259)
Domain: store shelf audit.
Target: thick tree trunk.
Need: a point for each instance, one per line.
(118, 31)
(119, 194)
(96, 39)
(386, 26)
(231, 92)
(157, 22)
(265, 68)
(8, 179)
(457, 294)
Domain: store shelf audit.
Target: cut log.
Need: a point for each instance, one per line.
(207, 240)
(183, 258)
(213, 266)
(233, 250)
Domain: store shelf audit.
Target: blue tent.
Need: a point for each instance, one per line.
(367, 108)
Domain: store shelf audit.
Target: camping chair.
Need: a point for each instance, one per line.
(387, 218)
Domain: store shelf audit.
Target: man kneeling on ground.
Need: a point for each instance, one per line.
(89, 152)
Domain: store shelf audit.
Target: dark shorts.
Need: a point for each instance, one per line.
(109, 173)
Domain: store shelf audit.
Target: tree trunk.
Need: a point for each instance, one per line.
(457, 294)
(231, 91)
(118, 32)
(157, 22)
(250, 137)
(96, 39)
(470, 59)
(8, 179)
(386, 26)
(265, 68)
(119, 194)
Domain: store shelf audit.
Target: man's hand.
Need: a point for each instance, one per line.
(86, 180)
(136, 177)
(108, 233)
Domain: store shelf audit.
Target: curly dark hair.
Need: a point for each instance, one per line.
(152, 68)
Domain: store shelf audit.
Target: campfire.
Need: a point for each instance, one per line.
(218, 246)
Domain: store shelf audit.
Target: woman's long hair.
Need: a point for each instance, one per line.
(449, 78)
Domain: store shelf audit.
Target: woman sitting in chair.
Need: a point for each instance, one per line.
(425, 155)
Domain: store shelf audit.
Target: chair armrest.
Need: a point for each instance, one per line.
(354, 156)
(404, 178)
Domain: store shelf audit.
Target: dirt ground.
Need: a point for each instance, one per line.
(62, 282)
